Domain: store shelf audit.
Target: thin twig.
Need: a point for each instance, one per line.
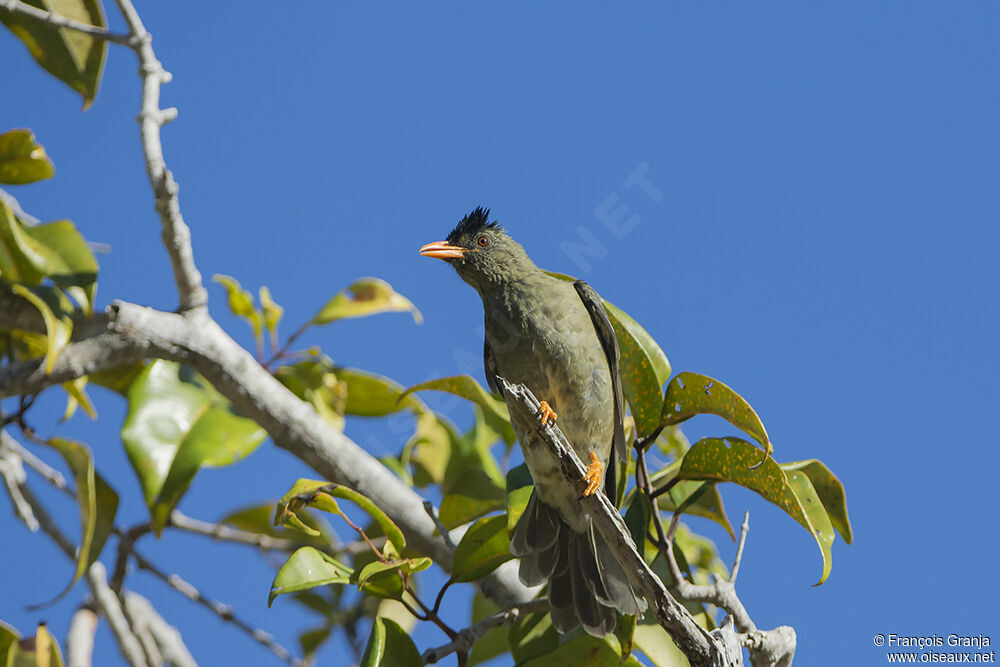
(13, 478)
(60, 21)
(466, 638)
(223, 611)
(226, 533)
(445, 534)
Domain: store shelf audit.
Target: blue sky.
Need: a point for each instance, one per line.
(823, 242)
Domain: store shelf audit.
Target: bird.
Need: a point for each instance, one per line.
(555, 338)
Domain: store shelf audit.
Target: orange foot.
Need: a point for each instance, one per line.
(595, 471)
(546, 415)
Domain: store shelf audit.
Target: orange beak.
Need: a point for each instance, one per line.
(443, 250)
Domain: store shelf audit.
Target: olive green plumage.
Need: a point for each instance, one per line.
(555, 338)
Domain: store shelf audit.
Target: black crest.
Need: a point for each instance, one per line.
(473, 222)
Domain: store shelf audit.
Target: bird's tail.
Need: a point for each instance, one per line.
(586, 583)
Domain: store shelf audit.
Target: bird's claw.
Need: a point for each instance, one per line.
(595, 471)
(546, 415)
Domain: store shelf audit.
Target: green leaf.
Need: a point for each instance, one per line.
(429, 450)
(386, 584)
(119, 378)
(55, 250)
(708, 503)
(307, 568)
(644, 370)
(8, 641)
(466, 387)
(42, 650)
(690, 394)
(657, 645)
(532, 635)
(367, 296)
(585, 651)
(473, 495)
(311, 640)
(519, 488)
(73, 57)
(625, 633)
(830, 491)
(176, 424)
(371, 395)
(97, 503)
(484, 547)
(637, 517)
(22, 159)
(730, 459)
(58, 325)
(306, 492)
(241, 303)
(390, 646)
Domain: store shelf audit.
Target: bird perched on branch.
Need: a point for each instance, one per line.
(555, 338)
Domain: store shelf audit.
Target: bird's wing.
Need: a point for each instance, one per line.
(491, 367)
(606, 334)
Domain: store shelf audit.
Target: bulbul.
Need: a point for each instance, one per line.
(555, 338)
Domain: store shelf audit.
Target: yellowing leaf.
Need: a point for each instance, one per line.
(367, 296)
(73, 57)
(22, 159)
(730, 459)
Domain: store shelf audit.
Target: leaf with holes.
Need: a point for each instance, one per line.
(367, 296)
(22, 159)
(73, 57)
(690, 394)
(830, 491)
(729, 460)
(307, 568)
(483, 548)
(177, 424)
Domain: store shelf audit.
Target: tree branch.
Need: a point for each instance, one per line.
(696, 643)
(772, 648)
(223, 611)
(176, 233)
(80, 638)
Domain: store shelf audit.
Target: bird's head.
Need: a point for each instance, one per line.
(481, 252)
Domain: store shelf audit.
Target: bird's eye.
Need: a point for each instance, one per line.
(483, 241)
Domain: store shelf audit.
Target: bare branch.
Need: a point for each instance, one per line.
(60, 21)
(168, 639)
(465, 639)
(223, 611)
(767, 648)
(176, 233)
(226, 533)
(106, 599)
(700, 647)
(80, 638)
(442, 529)
(14, 478)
